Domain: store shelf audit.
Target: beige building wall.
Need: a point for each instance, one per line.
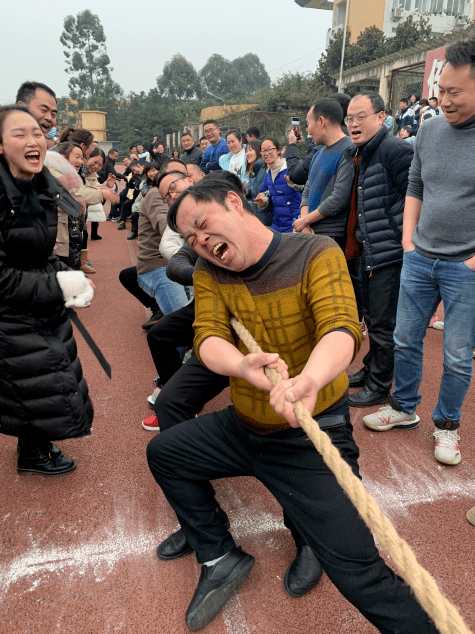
(362, 14)
(95, 122)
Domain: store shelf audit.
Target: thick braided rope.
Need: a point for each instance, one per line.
(444, 614)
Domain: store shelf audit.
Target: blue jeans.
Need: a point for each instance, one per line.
(424, 283)
(169, 295)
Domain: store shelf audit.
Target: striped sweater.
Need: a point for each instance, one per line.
(299, 291)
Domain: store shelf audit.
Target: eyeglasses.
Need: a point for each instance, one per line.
(210, 130)
(269, 150)
(360, 118)
(171, 190)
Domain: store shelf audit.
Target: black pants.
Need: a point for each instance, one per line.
(186, 393)
(126, 210)
(171, 332)
(128, 279)
(354, 269)
(380, 295)
(217, 445)
(134, 222)
(94, 228)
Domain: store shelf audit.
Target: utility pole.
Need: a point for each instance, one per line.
(340, 80)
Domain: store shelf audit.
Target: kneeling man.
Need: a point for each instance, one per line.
(294, 294)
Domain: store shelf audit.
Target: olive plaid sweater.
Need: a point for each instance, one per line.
(299, 291)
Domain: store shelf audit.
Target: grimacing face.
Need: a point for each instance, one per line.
(215, 232)
(172, 185)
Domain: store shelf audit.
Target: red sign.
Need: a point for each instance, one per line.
(434, 64)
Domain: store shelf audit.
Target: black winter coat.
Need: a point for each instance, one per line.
(42, 391)
(108, 168)
(382, 184)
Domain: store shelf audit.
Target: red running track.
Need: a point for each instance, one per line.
(78, 552)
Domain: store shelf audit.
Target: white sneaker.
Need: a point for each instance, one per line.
(386, 418)
(447, 450)
(438, 325)
(153, 397)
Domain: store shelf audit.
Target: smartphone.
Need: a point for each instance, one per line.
(296, 127)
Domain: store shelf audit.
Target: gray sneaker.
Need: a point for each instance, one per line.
(386, 418)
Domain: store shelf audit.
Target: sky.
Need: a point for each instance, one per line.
(142, 36)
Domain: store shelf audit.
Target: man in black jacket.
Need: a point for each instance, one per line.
(102, 175)
(109, 167)
(191, 153)
(374, 228)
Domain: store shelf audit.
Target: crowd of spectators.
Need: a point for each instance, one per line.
(367, 233)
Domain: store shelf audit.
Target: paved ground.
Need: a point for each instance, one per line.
(77, 553)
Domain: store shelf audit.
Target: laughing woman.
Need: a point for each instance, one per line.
(275, 188)
(43, 395)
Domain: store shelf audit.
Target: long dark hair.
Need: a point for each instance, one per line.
(255, 144)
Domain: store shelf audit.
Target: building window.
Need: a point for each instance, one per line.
(340, 12)
(421, 6)
(455, 7)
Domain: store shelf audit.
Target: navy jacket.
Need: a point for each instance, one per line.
(382, 184)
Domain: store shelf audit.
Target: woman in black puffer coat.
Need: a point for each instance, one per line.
(43, 395)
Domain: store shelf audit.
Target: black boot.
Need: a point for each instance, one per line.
(94, 234)
(303, 573)
(176, 545)
(52, 448)
(36, 458)
(359, 378)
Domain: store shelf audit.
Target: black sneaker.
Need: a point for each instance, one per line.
(156, 316)
(121, 226)
(216, 585)
(132, 236)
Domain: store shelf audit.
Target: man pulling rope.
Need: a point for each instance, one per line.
(294, 294)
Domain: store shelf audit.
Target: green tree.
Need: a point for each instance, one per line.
(221, 77)
(410, 32)
(87, 62)
(370, 44)
(179, 79)
(252, 73)
(329, 62)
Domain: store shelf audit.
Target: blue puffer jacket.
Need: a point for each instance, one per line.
(382, 184)
(286, 200)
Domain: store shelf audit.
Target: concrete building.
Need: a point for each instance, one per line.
(444, 15)
(399, 74)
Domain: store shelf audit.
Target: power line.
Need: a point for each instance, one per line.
(299, 58)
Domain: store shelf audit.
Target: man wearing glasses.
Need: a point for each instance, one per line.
(374, 230)
(149, 278)
(218, 147)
